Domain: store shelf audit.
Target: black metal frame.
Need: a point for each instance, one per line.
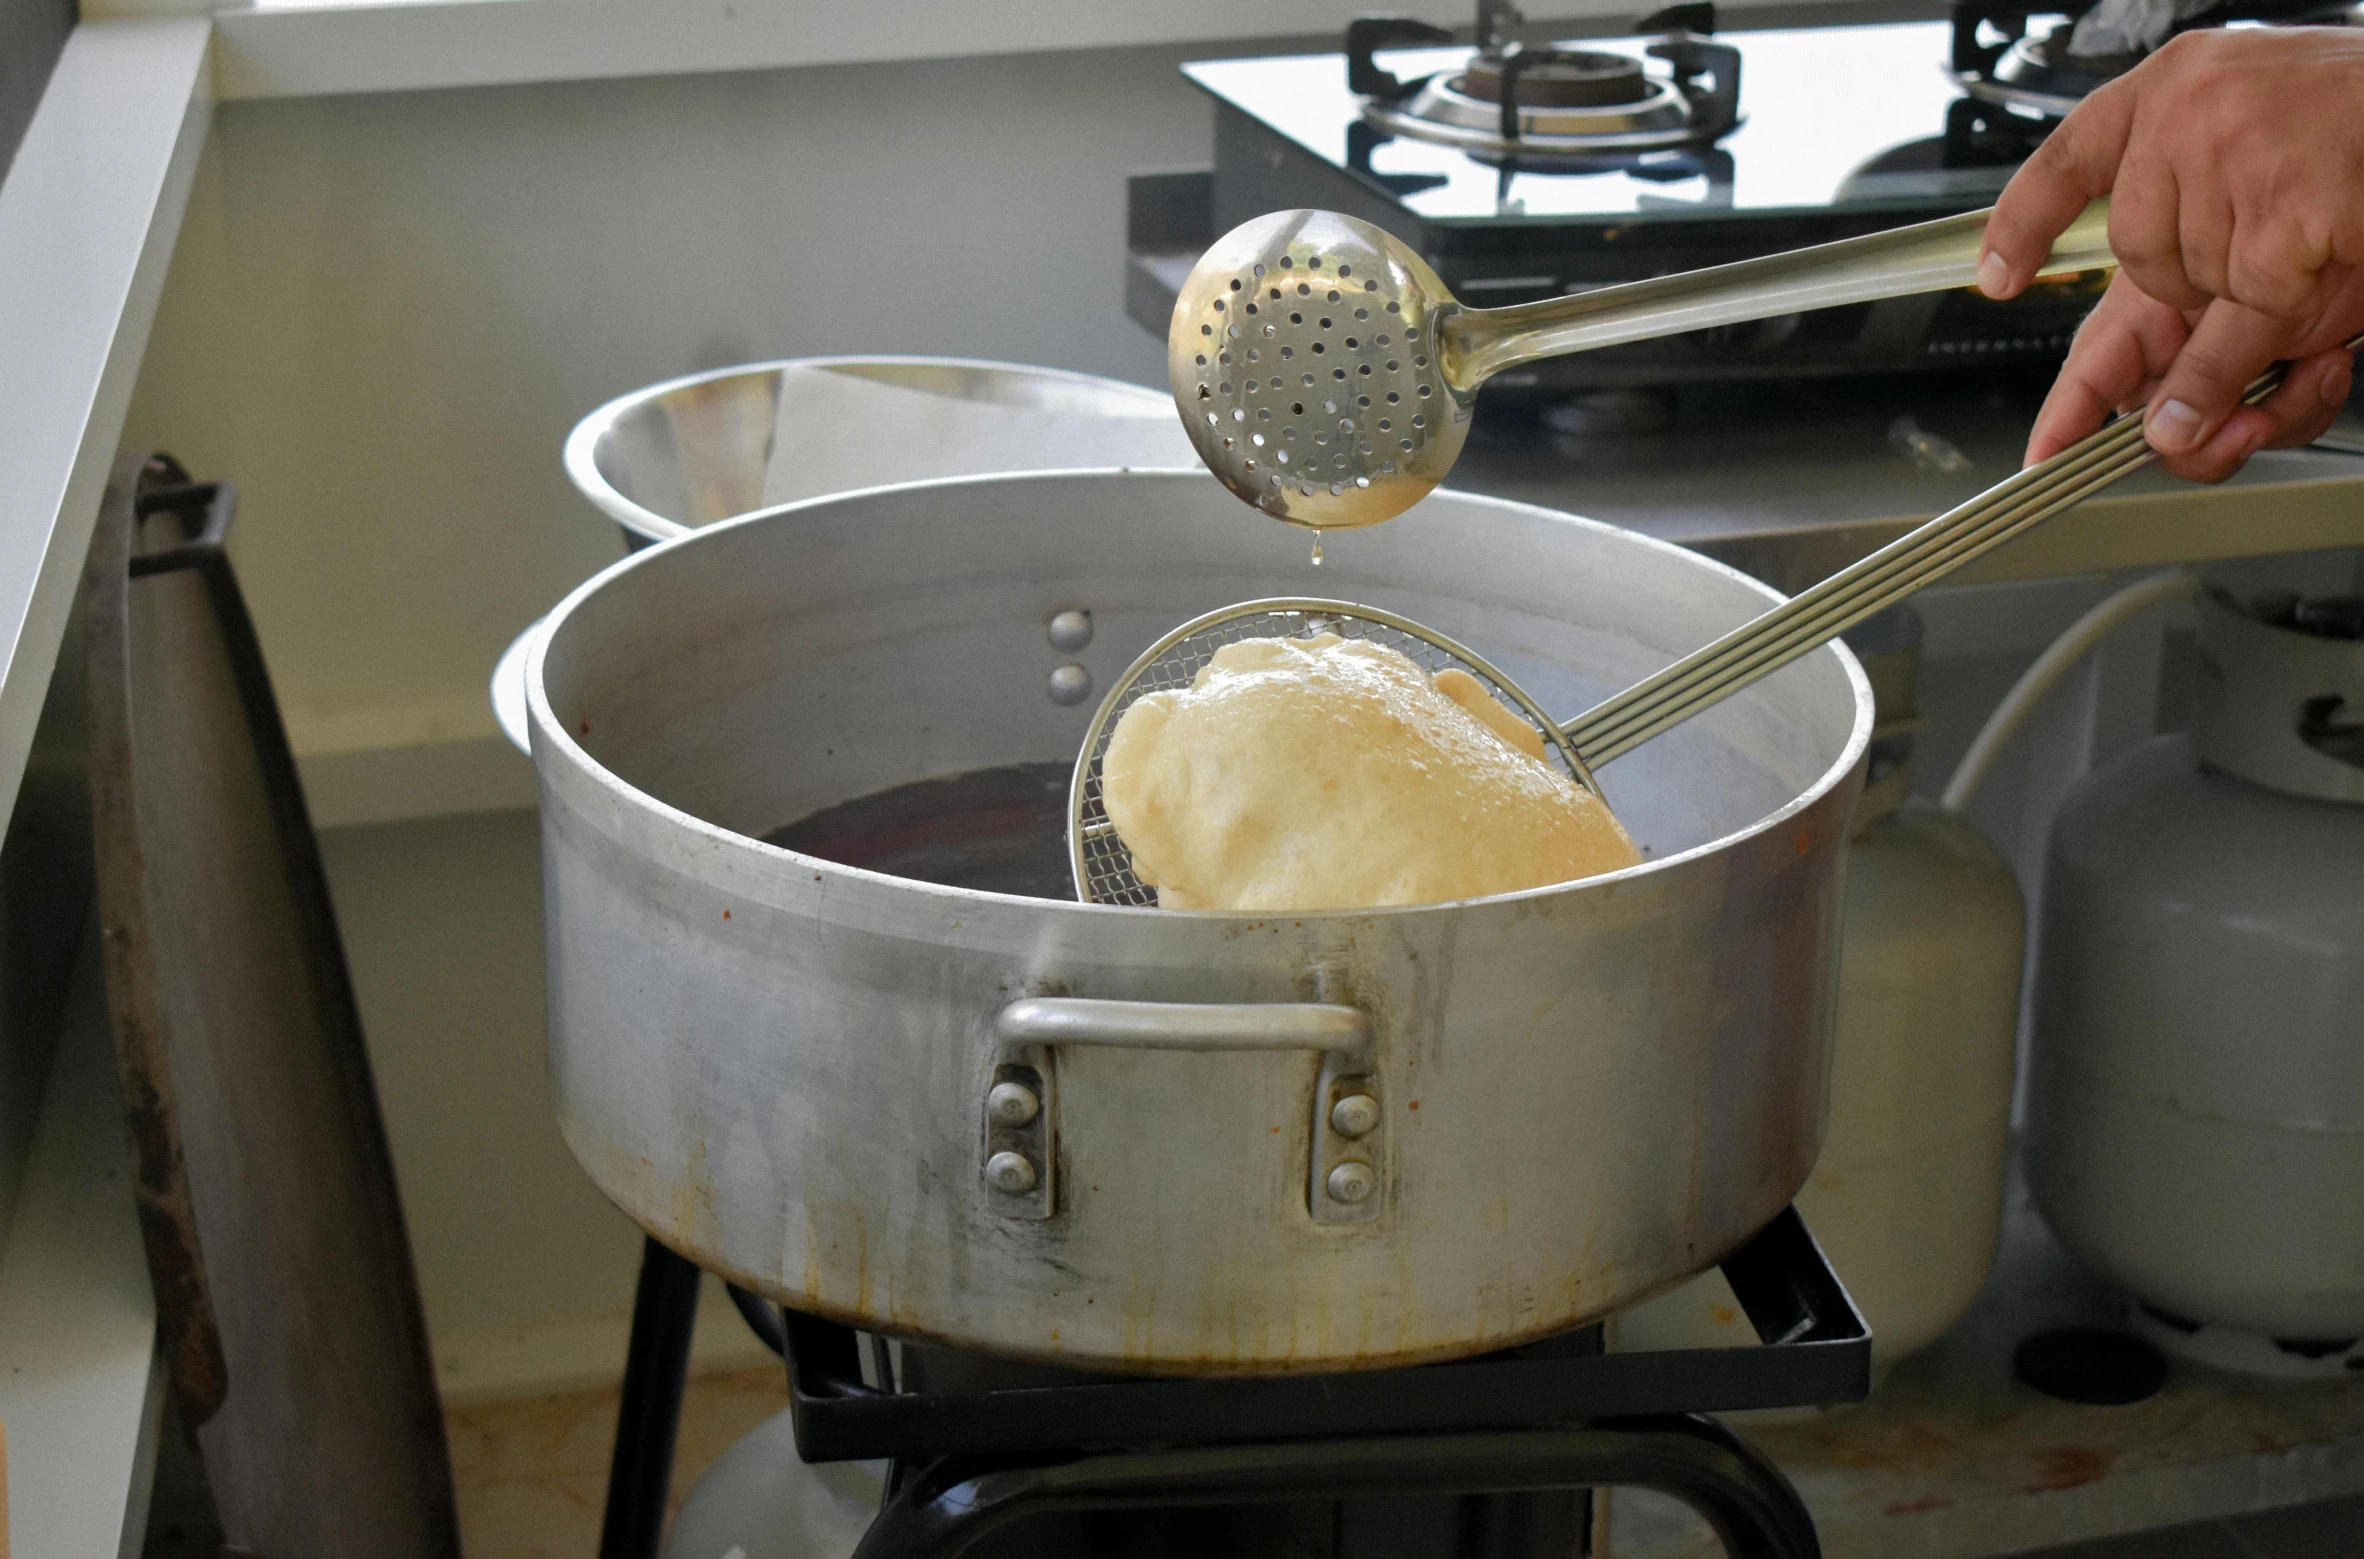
(656, 1371)
(951, 1505)
(1557, 1414)
(1819, 1351)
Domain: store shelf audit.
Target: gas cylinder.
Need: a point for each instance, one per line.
(1907, 1195)
(2196, 1083)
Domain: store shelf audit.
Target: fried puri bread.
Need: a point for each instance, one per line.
(1329, 773)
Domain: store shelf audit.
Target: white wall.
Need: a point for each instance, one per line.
(388, 310)
(384, 315)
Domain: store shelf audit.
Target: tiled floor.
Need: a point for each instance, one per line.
(532, 1474)
(2333, 1529)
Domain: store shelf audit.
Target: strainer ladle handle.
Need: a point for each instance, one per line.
(1816, 616)
(1902, 262)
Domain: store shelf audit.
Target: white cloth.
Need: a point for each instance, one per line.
(837, 430)
(2131, 26)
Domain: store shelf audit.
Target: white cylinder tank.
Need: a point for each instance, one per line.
(1907, 1196)
(2196, 1086)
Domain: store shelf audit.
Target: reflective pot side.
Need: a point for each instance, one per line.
(779, 1065)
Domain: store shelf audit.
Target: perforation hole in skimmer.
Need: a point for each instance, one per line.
(1301, 332)
(1103, 866)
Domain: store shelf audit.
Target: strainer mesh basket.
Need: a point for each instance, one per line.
(1103, 866)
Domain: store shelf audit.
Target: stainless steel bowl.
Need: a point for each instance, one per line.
(674, 456)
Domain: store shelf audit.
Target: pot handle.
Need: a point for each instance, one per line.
(1177, 1025)
(1019, 1142)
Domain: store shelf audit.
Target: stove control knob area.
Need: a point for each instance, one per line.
(1356, 1115)
(1012, 1104)
(1010, 1173)
(1353, 1182)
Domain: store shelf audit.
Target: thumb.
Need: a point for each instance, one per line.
(2230, 346)
(2075, 165)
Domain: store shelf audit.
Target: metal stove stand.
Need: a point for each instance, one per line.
(969, 1461)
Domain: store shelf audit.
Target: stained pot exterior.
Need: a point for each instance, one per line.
(779, 1066)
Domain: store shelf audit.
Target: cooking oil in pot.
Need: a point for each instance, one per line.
(998, 830)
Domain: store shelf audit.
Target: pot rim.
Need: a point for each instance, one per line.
(580, 454)
(553, 735)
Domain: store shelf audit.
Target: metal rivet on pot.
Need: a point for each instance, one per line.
(1071, 630)
(1070, 684)
(1012, 1104)
(1011, 1174)
(1356, 1115)
(1352, 1181)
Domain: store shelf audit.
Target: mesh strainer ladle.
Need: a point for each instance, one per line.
(1104, 869)
(1327, 376)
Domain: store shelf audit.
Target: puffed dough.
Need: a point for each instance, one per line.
(1298, 774)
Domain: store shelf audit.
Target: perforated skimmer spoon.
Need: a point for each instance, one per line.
(1104, 868)
(1327, 376)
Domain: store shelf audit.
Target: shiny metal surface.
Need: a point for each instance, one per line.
(1012, 1174)
(673, 456)
(781, 1066)
(1355, 1115)
(1440, 111)
(1352, 1182)
(1012, 1104)
(1327, 376)
(1199, 1026)
(1856, 593)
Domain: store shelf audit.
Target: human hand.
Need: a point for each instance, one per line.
(2235, 165)
(2134, 351)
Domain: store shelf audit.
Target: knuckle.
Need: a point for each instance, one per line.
(2205, 363)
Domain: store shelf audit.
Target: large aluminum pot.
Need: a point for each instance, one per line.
(787, 1069)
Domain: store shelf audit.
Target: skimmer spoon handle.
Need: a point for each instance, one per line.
(1327, 375)
(1926, 257)
(1815, 616)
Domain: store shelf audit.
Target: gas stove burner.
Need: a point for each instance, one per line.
(1998, 59)
(2034, 73)
(1549, 106)
(1560, 78)
(1627, 158)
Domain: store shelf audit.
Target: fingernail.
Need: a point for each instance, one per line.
(2174, 427)
(2337, 383)
(1993, 275)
